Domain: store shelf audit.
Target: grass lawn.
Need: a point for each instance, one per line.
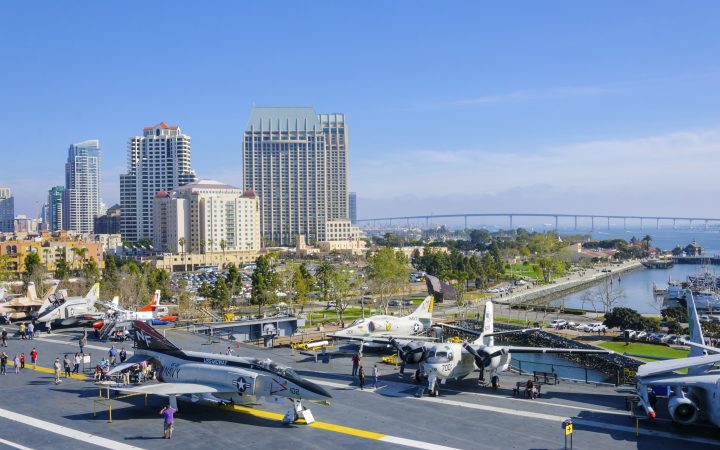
(638, 348)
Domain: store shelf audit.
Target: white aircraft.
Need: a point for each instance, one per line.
(154, 312)
(72, 310)
(387, 326)
(454, 361)
(695, 395)
(214, 378)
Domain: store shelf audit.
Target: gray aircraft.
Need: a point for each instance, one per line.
(696, 395)
(216, 378)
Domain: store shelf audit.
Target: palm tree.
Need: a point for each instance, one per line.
(181, 245)
(80, 252)
(223, 246)
(646, 241)
(203, 251)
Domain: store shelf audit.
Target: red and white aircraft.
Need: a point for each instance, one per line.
(153, 312)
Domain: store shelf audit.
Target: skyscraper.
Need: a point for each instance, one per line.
(296, 161)
(54, 214)
(159, 160)
(81, 201)
(352, 204)
(7, 210)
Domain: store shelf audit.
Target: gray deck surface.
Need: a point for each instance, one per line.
(464, 416)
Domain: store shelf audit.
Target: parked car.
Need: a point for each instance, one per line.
(629, 334)
(674, 339)
(664, 337)
(596, 327)
(408, 303)
(394, 303)
(641, 335)
(558, 323)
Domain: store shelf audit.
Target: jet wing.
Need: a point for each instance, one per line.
(172, 389)
(512, 349)
(478, 333)
(135, 359)
(682, 380)
(381, 338)
(660, 367)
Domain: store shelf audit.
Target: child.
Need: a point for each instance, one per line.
(16, 363)
(375, 375)
(22, 360)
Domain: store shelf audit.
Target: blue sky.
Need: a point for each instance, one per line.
(602, 107)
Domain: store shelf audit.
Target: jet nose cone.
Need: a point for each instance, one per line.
(320, 391)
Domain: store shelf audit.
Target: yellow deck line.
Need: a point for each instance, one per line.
(320, 425)
(75, 376)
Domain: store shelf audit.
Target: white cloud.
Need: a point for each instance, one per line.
(520, 96)
(607, 175)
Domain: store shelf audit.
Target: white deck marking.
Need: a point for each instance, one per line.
(75, 344)
(64, 431)
(413, 443)
(540, 416)
(12, 444)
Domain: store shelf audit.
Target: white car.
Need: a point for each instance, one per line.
(641, 335)
(558, 323)
(595, 327)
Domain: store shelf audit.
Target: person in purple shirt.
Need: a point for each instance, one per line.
(168, 412)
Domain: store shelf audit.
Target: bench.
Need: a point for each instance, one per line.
(520, 387)
(545, 377)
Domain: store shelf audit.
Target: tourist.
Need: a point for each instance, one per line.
(22, 360)
(21, 329)
(66, 365)
(375, 374)
(168, 412)
(30, 330)
(355, 364)
(530, 391)
(112, 353)
(33, 357)
(57, 366)
(361, 378)
(123, 355)
(16, 363)
(83, 342)
(3, 363)
(78, 359)
(3, 337)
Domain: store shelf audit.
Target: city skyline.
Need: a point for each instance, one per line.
(572, 108)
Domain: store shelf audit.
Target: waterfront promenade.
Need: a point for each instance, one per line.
(572, 282)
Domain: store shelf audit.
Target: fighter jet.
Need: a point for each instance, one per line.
(20, 308)
(70, 311)
(695, 395)
(154, 312)
(212, 377)
(442, 361)
(385, 326)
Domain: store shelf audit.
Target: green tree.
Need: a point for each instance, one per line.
(646, 242)
(32, 263)
(623, 318)
(342, 282)
(91, 271)
(264, 283)
(233, 279)
(675, 314)
(5, 267)
(62, 269)
(324, 275)
(387, 272)
(205, 290)
(221, 295)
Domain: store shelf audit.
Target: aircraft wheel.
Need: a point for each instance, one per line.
(495, 382)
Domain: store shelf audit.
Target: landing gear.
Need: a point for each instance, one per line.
(432, 386)
(495, 381)
(297, 413)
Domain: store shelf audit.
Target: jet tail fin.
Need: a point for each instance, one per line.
(93, 294)
(489, 323)
(153, 303)
(147, 338)
(50, 291)
(695, 329)
(31, 292)
(425, 310)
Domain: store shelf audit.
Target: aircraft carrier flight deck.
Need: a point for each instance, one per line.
(37, 413)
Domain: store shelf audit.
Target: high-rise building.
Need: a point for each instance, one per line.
(296, 161)
(81, 202)
(352, 206)
(7, 210)
(53, 216)
(159, 160)
(207, 216)
(109, 223)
